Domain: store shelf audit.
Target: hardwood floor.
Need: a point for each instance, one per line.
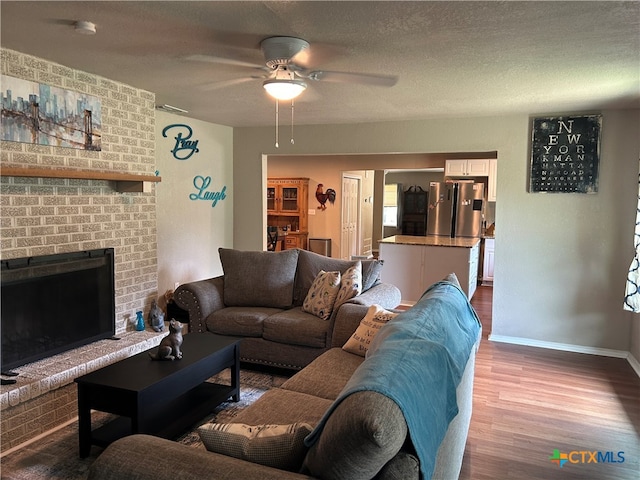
(530, 401)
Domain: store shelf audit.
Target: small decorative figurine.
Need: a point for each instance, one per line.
(139, 322)
(156, 317)
(169, 348)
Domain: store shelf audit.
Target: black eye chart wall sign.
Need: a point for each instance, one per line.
(565, 154)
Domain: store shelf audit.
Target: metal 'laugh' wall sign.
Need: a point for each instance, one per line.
(565, 154)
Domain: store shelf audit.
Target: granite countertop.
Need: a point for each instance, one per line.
(432, 241)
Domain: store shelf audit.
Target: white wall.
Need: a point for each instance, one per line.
(560, 259)
(560, 275)
(191, 231)
(635, 338)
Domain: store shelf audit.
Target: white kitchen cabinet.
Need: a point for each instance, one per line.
(493, 178)
(487, 266)
(467, 168)
(414, 265)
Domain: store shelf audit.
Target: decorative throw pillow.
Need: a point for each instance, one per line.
(350, 284)
(309, 264)
(278, 446)
(372, 322)
(322, 294)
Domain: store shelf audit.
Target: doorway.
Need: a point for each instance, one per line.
(350, 227)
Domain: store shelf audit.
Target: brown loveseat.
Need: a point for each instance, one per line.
(260, 298)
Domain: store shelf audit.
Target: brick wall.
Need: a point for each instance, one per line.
(43, 216)
(39, 415)
(46, 396)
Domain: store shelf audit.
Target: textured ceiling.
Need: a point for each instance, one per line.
(452, 58)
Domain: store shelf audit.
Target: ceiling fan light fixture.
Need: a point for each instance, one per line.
(284, 89)
(85, 27)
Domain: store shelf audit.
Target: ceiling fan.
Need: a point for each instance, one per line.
(286, 71)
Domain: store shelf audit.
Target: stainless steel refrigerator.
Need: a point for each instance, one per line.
(455, 209)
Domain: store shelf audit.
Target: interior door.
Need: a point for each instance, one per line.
(350, 228)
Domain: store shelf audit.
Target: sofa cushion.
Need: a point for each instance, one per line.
(326, 376)
(363, 433)
(404, 466)
(283, 407)
(242, 321)
(278, 446)
(258, 279)
(372, 322)
(370, 273)
(350, 284)
(296, 327)
(309, 265)
(322, 294)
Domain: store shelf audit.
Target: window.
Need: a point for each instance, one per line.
(390, 205)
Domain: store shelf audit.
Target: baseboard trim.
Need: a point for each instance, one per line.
(634, 363)
(568, 347)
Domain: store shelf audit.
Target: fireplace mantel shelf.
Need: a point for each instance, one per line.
(125, 182)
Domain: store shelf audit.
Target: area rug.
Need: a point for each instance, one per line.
(56, 455)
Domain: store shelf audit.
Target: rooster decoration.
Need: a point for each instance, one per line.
(322, 197)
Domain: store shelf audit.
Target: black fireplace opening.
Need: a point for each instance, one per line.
(54, 303)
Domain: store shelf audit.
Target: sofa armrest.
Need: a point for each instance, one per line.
(346, 322)
(349, 314)
(200, 299)
(386, 295)
(451, 450)
(145, 457)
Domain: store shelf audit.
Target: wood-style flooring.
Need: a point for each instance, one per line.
(529, 402)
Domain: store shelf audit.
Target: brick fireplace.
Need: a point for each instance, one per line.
(41, 216)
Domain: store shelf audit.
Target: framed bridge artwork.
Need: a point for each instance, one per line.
(565, 154)
(46, 115)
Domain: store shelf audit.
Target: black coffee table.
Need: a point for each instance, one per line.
(162, 398)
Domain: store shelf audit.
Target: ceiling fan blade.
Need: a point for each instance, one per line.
(224, 61)
(317, 54)
(227, 83)
(357, 78)
(61, 21)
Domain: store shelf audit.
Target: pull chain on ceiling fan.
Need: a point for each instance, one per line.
(277, 122)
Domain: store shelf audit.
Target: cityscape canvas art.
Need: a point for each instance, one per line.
(45, 115)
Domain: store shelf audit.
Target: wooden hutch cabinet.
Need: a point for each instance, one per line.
(287, 204)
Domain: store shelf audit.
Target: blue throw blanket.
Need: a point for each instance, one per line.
(417, 360)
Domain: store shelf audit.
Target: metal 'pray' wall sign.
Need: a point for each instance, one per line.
(184, 146)
(565, 154)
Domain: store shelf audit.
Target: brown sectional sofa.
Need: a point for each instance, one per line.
(401, 413)
(260, 298)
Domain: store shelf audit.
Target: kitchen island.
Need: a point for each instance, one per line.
(414, 263)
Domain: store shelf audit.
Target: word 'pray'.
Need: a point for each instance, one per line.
(182, 143)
